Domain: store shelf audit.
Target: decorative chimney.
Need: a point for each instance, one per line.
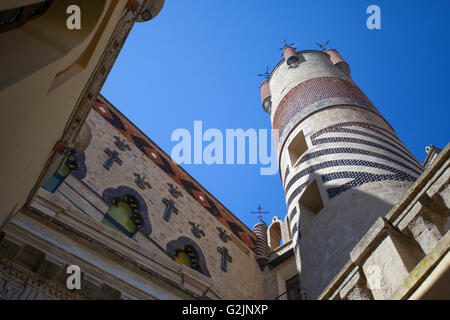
(262, 249)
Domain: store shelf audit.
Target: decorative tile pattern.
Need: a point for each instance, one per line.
(395, 141)
(340, 128)
(312, 91)
(292, 215)
(325, 152)
(397, 174)
(358, 178)
(262, 247)
(363, 142)
(163, 161)
(294, 230)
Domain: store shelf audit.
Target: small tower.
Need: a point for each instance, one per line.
(262, 249)
(342, 165)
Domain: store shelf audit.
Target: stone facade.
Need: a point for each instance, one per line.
(142, 169)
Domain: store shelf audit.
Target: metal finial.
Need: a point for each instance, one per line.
(323, 46)
(287, 45)
(266, 75)
(260, 213)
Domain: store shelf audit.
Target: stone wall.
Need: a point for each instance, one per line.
(243, 278)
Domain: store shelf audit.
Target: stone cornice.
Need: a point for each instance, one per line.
(56, 214)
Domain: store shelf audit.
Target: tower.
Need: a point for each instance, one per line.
(341, 164)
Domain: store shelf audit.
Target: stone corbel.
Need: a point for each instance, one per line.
(355, 287)
(370, 241)
(426, 221)
(386, 257)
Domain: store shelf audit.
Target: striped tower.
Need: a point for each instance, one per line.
(262, 248)
(341, 164)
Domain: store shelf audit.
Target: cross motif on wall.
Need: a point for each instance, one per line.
(174, 191)
(225, 258)
(113, 156)
(140, 182)
(169, 209)
(223, 234)
(121, 144)
(196, 231)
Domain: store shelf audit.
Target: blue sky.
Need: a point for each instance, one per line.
(199, 60)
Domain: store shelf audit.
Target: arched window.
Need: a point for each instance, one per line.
(185, 251)
(128, 211)
(69, 165)
(188, 257)
(274, 233)
(124, 215)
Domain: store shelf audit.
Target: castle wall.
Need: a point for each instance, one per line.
(243, 278)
